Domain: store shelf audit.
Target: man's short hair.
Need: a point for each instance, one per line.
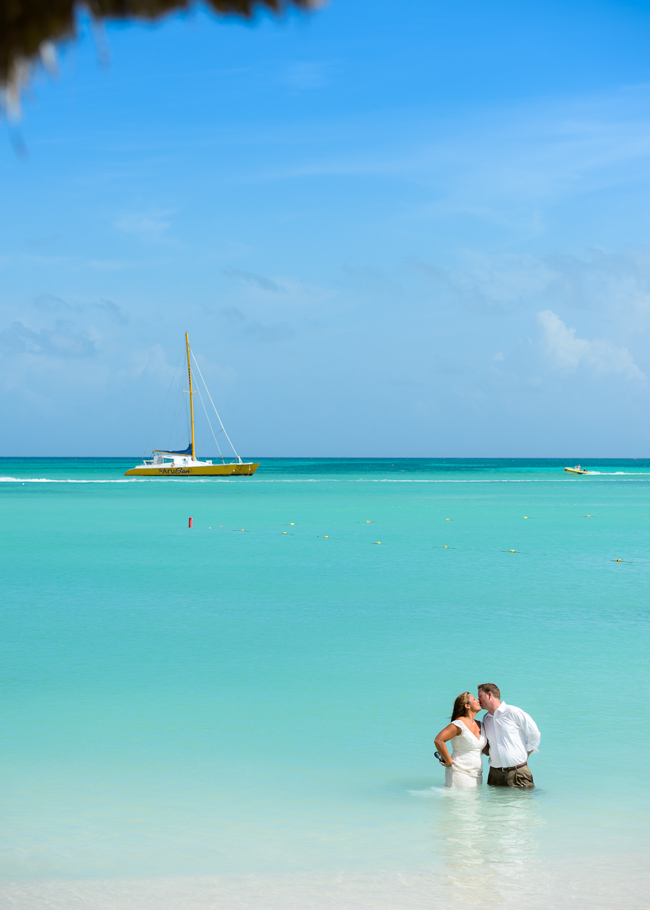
(490, 687)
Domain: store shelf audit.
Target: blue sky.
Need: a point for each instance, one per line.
(415, 229)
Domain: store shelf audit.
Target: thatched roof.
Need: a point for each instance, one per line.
(29, 29)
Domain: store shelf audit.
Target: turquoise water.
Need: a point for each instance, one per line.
(234, 698)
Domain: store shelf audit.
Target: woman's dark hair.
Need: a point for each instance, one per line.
(460, 705)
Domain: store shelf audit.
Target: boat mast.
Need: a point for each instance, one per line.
(189, 374)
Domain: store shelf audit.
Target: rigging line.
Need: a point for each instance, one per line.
(175, 428)
(177, 418)
(174, 377)
(215, 410)
(198, 389)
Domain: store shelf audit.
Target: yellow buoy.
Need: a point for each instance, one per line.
(511, 551)
(284, 532)
(378, 541)
(292, 522)
(525, 516)
(445, 547)
(326, 537)
(618, 560)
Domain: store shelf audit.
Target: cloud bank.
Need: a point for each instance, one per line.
(568, 352)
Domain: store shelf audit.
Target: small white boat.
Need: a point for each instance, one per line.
(577, 470)
(184, 463)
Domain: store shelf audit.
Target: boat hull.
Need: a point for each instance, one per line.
(208, 470)
(576, 471)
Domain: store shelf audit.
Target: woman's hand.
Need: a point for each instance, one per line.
(441, 739)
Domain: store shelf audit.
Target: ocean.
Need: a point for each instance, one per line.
(242, 714)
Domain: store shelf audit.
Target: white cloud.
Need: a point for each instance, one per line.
(495, 281)
(147, 225)
(568, 352)
(64, 340)
(305, 74)
(260, 281)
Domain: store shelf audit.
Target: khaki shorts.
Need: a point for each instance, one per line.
(517, 777)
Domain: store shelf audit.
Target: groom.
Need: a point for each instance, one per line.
(512, 735)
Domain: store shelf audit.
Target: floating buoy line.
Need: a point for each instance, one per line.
(190, 525)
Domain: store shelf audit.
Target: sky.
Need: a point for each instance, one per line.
(390, 229)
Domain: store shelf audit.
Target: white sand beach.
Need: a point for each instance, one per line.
(592, 883)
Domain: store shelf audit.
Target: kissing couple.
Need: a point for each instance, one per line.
(507, 734)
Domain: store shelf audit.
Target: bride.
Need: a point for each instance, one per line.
(464, 767)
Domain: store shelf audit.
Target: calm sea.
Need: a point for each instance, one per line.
(257, 697)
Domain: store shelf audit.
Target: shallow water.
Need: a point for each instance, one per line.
(259, 695)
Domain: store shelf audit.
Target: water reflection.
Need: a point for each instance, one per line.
(486, 840)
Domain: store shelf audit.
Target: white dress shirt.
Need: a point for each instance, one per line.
(512, 734)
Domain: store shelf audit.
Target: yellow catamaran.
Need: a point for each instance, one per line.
(185, 463)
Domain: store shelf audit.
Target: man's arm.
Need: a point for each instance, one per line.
(530, 731)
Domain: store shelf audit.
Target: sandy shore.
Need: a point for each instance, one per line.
(593, 883)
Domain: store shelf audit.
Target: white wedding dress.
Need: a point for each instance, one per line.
(467, 768)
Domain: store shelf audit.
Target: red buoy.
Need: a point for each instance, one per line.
(190, 524)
